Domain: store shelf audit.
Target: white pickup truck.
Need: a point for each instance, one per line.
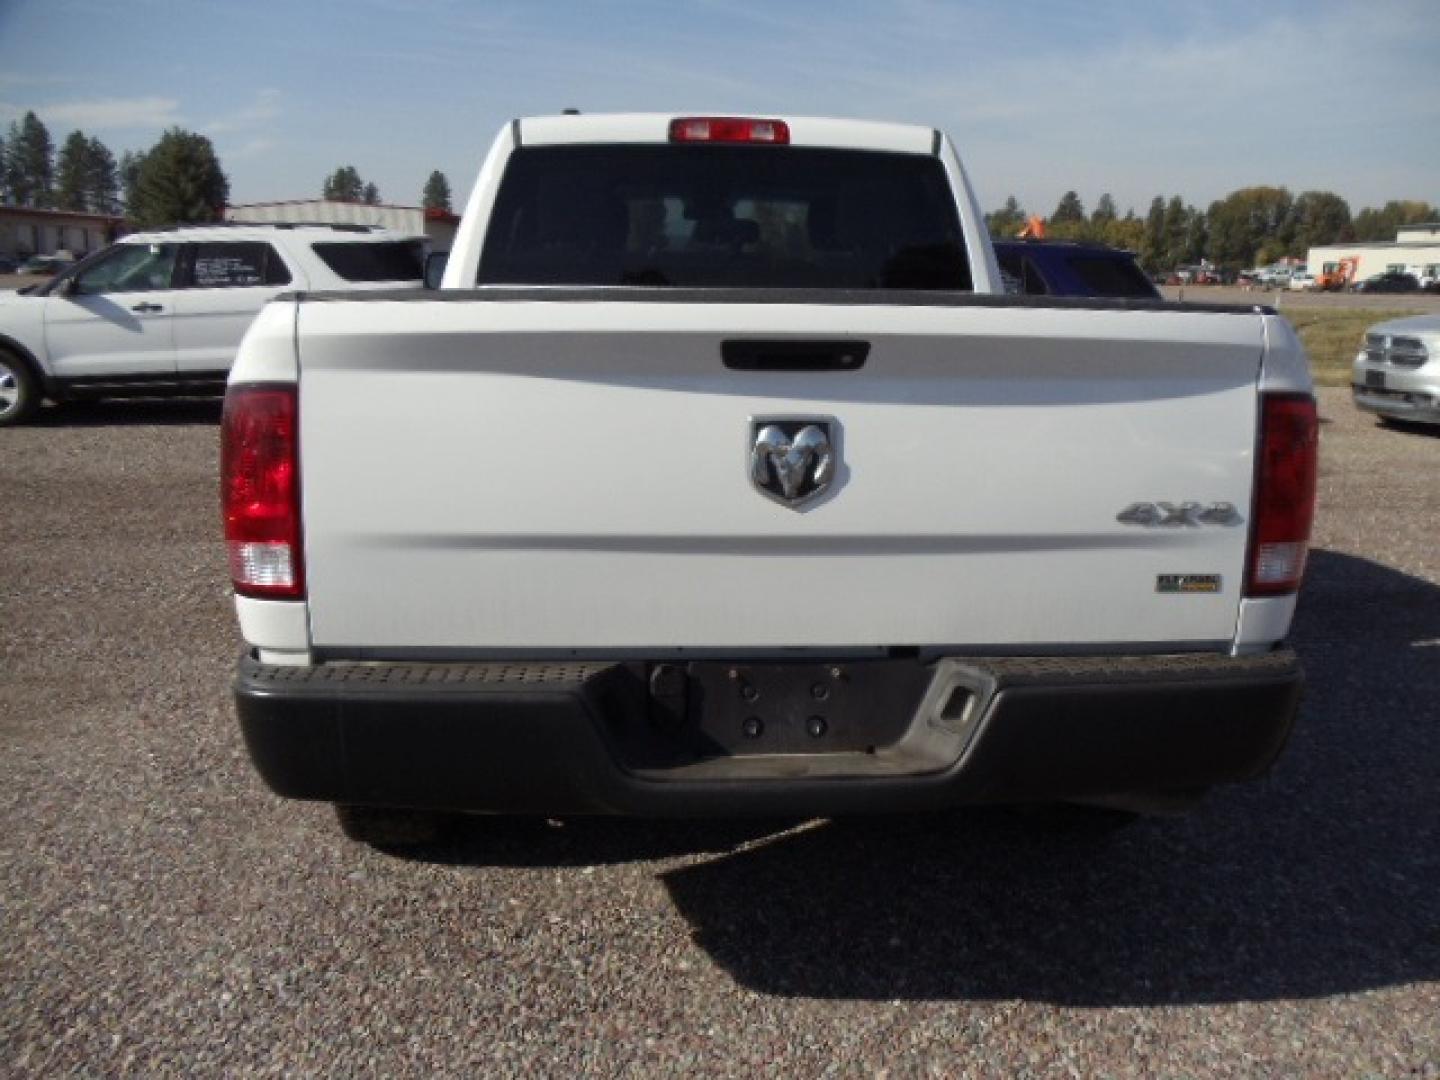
(720, 476)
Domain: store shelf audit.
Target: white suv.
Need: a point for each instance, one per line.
(163, 312)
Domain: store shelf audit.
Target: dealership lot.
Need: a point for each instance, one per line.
(161, 912)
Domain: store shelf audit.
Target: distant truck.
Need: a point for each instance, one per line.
(721, 476)
(1064, 268)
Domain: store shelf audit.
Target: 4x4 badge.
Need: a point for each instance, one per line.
(1175, 515)
(792, 460)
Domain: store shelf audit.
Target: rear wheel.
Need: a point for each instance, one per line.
(391, 829)
(19, 390)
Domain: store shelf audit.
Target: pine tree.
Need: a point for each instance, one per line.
(29, 168)
(179, 180)
(344, 185)
(437, 192)
(1070, 208)
(371, 195)
(130, 163)
(72, 173)
(102, 179)
(1104, 210)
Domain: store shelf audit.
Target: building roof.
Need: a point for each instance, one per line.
(38, 211)
(430, 213)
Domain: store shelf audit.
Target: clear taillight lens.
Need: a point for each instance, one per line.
(260, 491)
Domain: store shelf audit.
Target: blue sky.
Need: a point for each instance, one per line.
(1134, 97)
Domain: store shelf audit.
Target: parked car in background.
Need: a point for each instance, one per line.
(163, 312)
(1302, 282)
(8, 265)
(1397, 372)
(1063, 268)
(1389, 282)
(45, 265)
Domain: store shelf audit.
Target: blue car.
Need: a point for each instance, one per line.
(1063, 268)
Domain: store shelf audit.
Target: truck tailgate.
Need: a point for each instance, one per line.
(553, 474)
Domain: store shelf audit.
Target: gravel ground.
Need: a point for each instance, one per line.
(161, 913)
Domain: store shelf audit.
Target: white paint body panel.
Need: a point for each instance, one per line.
(573, 475)
(105, 336)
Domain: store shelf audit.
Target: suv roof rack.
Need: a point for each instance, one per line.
(334, 226)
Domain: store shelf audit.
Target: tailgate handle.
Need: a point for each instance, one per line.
(793, 355)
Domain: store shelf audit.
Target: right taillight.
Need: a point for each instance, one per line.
(260, 491)
(1284, 494)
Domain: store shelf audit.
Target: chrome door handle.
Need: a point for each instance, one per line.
(147, 307)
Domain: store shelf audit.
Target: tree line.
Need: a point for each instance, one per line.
(346, 185)
(178, 179)
(1251, 226)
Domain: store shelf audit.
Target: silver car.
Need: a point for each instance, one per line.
(1397, 373)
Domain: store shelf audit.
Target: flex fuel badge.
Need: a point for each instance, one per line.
(1187, 583)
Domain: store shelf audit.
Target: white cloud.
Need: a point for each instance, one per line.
(261, 112)
(251, 149)
(104, 114)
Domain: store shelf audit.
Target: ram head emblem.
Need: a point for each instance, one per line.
(792, 461)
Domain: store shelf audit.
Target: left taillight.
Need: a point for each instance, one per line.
(260, 491)
(1285, 474)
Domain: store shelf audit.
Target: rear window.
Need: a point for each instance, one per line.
(236, 266)
(387, 260)
(1110, 276)
(725, 217)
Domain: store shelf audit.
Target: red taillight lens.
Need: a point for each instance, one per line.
(1284, 494)
(260, 491)
(729, 129)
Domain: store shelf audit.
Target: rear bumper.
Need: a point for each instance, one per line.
(580, 737)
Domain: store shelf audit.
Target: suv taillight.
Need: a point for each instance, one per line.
(1284, 494)
(260, 491)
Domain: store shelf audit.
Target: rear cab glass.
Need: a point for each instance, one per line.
(724, 217)
(386, 260)
(1109, 275)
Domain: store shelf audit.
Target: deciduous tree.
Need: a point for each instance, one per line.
(1007, 221)
(1372, 224)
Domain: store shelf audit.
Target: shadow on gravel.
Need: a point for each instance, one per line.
(1410, 427)
(1322, 879)
(164, 412)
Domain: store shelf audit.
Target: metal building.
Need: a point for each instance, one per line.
(1415, 250)
(438, 225)
(26, 231)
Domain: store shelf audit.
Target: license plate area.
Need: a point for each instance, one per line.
(1375, 380)
(707, 709)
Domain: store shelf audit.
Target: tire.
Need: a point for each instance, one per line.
(19, 390)
(390, 829)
